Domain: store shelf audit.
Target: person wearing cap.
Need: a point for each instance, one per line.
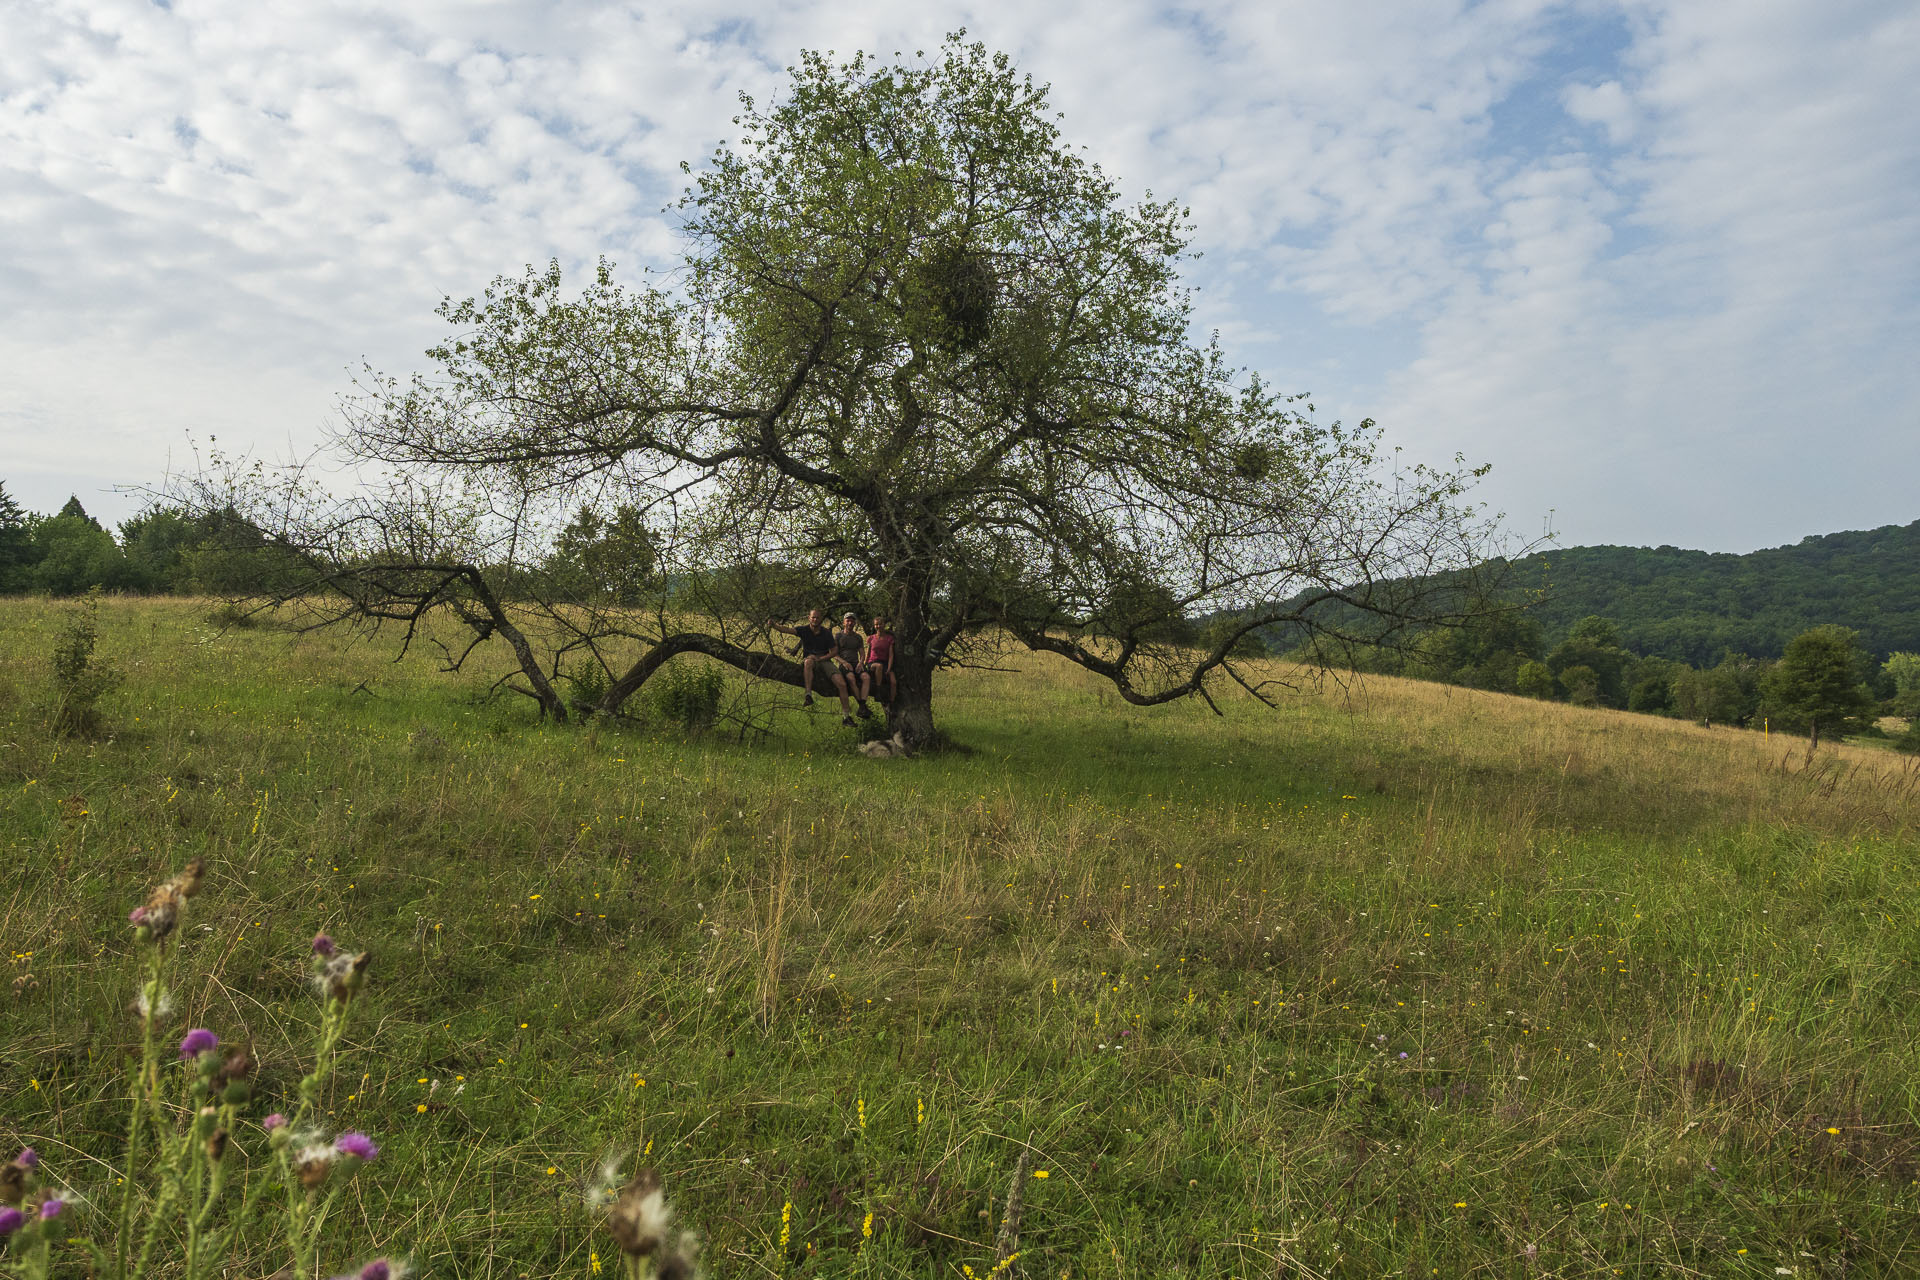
(849, 651)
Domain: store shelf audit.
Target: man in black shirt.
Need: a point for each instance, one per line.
(816, 649)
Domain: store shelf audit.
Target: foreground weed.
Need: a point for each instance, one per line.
(80, 678)
(199, 1203)
(641, 1220)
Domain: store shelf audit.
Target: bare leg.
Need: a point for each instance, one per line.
(806, 675)
(840, 687)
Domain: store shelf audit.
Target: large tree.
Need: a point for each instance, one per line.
(923, 360)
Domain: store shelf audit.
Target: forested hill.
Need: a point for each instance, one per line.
(1693, 605)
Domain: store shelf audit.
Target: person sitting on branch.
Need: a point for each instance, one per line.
(850, 649)
(880, 661)
(816, 649)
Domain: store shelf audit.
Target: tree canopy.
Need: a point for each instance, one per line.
(923, 360)
(1817, 683)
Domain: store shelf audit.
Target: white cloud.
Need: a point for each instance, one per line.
(1736, 372)
(1606, 105)
(1637, 300)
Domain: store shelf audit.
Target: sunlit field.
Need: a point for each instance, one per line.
(1399, 979)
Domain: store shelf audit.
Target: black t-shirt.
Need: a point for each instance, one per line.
(815, 642)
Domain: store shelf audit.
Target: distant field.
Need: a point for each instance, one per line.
(1398, 980)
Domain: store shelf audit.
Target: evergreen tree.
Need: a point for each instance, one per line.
(603, 559)
(73, 553)
(16, 543)
(1816, 685)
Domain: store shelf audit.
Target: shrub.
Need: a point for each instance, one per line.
(80, 678)
(231, 615)
(1582, 684)
(589, 681)
(1535, 681)
(685, 695)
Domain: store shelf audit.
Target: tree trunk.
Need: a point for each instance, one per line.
(911, 713)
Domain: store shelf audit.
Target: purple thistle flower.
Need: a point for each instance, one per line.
(11, 1220)
(198, 1041)
(51, 1209)
(272, 1122)
(358, 1145)
(378, 1269)
(323, 945)
(28, 1158)
(1403, 1057)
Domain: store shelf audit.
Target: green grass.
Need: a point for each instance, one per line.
(1396, 980)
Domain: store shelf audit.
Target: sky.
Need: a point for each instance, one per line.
(1658, 263)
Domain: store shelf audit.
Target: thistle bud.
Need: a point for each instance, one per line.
(639, 1218)
(156, 919)
(354, 1149)
(236, 1093)
(216, 1145)
(315, 1167)
(233, 1072)
(342, 974)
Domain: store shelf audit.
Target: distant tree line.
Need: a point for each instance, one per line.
(1825, 682)
(1694, 606)
(162, 550)
(169, 550)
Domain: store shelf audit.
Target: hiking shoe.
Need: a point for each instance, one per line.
(807, 701)
(847, 721)
(866, 713)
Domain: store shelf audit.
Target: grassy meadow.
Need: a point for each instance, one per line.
(1399, 979)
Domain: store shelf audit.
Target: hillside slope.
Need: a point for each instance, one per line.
(1692, 605)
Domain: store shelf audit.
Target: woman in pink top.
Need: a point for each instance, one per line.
(880, 660)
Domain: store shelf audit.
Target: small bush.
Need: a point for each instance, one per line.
(589, 681)
(684, 695)
(1582, 684)
(1535, 680)
(80, 678)
(232, 616)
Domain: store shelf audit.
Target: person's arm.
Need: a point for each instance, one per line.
(781, 626)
